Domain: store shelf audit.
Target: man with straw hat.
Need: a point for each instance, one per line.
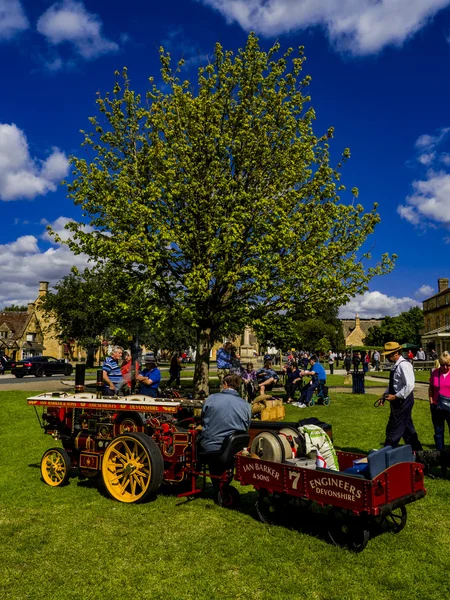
(400, 395)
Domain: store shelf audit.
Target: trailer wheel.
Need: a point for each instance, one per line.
(132, 467)
(55, 467)
(395, 520)
(268, 508)
(347, 531)
(228, 497)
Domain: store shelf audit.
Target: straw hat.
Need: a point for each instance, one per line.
(391, 347)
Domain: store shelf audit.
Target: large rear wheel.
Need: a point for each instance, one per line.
(132, 467)
(55, 467)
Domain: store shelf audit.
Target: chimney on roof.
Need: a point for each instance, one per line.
(43, 287)
(442, 284)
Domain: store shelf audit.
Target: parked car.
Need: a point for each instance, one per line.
(40, 366)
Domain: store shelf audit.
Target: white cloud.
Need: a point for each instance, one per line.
(23, 264)
(358, 26)
(425, 291)
(22, 176)
(12, 19)
(409, 214)
(428, 142)
(376, 305)
(427, 158)
(430, 200)
(69, 22)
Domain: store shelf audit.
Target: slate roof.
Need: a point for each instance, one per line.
(16, 322)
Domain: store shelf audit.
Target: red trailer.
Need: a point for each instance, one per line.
(355, 504)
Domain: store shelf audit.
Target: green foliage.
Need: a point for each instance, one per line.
(323, 346)
(221, 203)
(14, 308)
(294, 329)
(405, 328)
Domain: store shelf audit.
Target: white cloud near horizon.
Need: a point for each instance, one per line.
(375, 305)
(425, 291)
(12, 19)
(69, 22)
(21, 175)
(430, 198)
(23, 264)
(357, 26)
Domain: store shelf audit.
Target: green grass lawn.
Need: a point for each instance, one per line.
(75, 543)
(421, 376)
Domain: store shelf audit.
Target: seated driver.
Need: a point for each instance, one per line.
(319, 376)
(223, 414)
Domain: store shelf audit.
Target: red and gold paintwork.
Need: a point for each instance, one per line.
(138, 442)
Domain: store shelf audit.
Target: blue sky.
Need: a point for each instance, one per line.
(380, 75)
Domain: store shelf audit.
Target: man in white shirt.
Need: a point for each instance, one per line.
(400, 395)
(420, 354)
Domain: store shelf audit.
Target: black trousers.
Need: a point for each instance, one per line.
(400, 424)
(291, 388)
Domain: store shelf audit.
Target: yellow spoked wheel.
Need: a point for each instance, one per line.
(55, 467)
(132, 467)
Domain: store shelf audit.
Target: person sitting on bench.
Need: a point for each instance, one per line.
(266, 378)
(318, 376)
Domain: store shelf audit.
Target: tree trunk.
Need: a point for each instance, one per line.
(201, 373)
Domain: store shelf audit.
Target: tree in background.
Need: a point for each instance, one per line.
(218, 199)
(323, 345)
(294, 330)
(405, 328)
(100, 303)
(15, 308)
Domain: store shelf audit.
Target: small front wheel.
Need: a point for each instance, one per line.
(55, 467)
(228, 497)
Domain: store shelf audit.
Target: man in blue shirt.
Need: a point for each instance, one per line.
(112, 375)
(318, 376)
(224, 361)
(223, 414)
(149, 377)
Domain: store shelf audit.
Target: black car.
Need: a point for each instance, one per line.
(40, 366)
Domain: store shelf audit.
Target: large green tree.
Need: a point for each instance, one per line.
(404, 329)
(220, 197)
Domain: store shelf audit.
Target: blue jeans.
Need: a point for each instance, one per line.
(439, 418)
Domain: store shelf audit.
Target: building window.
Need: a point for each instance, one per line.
(31, 337)
(3, 335)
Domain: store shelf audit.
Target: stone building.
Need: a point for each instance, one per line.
(436, 317)
(356, 330)
(28, 333)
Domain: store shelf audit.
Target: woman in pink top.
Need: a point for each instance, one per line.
(440, 384)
